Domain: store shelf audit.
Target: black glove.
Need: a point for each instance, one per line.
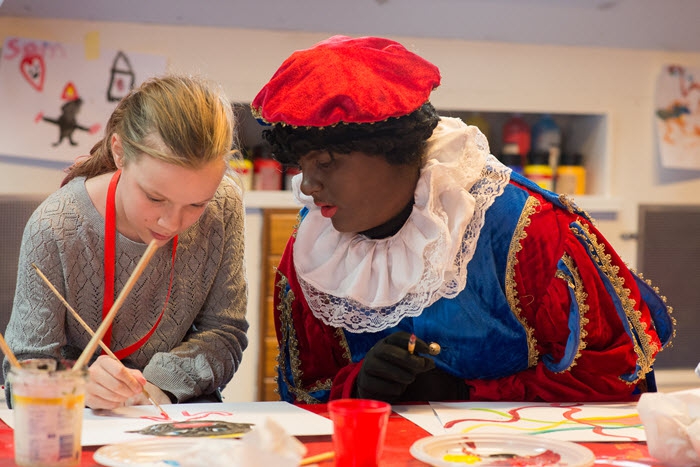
(389, 368)
(436, 385)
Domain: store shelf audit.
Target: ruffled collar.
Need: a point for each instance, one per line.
(367, 285)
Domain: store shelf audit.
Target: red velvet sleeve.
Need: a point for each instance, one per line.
(592, 337)
(313, 357)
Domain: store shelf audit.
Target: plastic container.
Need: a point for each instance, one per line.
(244, 169)
(517, 131)
(289, 174)
(539, 171)
(546, 137)
(48, 405)
(267, 174)
(511, 158)
(571, 175)
(359, 431)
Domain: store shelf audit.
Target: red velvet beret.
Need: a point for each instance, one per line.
(344, 79)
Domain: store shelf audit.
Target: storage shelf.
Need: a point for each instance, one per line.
(266, 199)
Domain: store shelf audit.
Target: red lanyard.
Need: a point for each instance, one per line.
(110, 246)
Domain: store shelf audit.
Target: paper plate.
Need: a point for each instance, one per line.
(168, 452)
(500, 450)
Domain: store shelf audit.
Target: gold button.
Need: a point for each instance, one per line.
(434, 348)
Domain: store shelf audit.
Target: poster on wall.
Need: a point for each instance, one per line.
(56, 98)
(677, 115)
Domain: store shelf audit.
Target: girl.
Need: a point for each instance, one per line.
(158, 173)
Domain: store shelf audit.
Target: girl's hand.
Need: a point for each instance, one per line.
(111, 384)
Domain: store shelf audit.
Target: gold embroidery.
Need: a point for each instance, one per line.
(644, 348)
(574, 282)
(573, 208)
(340, 334)
(568, 203)
(669, 309)
(529, 209)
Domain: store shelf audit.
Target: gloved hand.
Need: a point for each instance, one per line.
(389, 368)
(436, 385)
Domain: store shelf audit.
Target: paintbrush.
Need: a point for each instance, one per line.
(85, 326)
(324, 456)
(8, 353)
(107, 321)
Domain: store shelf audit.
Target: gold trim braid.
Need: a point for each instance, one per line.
(574, 282)
(529, 209)
(289, 341)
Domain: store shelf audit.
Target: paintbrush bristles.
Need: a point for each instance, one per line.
(107, 321)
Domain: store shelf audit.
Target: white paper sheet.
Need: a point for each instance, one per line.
(112, 428)
(422, 415)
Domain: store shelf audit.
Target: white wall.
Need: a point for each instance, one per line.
(476, 76)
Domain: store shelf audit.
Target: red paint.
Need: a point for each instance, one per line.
(192, 416)
(33, 70)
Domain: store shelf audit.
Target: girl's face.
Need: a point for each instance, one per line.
(357, 191)
(158, 200)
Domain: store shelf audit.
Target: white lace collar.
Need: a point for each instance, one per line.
(367, 285)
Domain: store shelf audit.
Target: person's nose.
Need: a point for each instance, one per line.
(171, 219)
(310, 183)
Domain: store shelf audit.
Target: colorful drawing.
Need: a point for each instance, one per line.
(677, 115)
(37, 76)
(564, 421)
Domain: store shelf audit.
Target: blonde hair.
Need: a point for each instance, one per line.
(191, 117)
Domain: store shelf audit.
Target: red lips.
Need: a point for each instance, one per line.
(327, 210)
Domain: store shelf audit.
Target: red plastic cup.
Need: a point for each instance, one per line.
(359, 429)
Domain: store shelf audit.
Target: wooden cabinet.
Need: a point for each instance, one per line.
(277, 227)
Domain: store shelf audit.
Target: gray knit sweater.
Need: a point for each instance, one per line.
(198, 344)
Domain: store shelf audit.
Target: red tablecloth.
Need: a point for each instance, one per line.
(401, 434)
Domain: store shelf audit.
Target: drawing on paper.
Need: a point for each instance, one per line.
(677, 115)
(565, 421)
(67, 122)
(197, 429)
(193, 425)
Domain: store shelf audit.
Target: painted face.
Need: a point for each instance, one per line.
(158, 200)
(357, 191)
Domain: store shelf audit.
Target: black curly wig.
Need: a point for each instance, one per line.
(400, 140)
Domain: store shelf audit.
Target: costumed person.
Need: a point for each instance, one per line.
(159, 173)
(410, 227)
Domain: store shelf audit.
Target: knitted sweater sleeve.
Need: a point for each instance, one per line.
(212, 350)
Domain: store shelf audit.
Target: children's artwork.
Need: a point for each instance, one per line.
(581, 422)
(677, 116)
(197, 429)
(216, 420)
(56, 98)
